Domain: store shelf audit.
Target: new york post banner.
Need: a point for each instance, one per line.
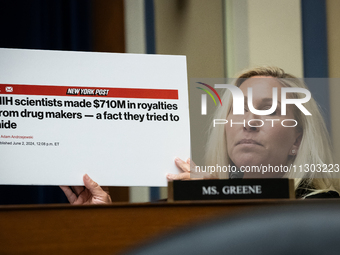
(121, 118)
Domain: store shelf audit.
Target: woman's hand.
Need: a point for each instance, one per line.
(182, 165)
(91, 194)
(189, 170)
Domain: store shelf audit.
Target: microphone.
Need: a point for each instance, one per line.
(238, 174)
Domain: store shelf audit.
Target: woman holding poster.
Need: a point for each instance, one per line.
(279, 140)
(89, 194)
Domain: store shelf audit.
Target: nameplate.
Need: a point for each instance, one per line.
(231, 189)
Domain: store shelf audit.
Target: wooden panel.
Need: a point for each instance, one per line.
(275, 34)
(333, 32)
(119, 194)
(65, 229)
(108, 26)
(193, 28)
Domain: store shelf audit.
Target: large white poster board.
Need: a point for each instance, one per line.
(121, 118)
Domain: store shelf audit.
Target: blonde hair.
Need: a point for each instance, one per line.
(314, 149)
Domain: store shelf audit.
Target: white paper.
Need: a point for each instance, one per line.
(59, 150)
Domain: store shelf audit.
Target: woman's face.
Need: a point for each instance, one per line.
(265, 145)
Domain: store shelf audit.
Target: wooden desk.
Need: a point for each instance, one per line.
(65, 229)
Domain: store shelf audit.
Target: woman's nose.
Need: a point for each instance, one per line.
(252, 122)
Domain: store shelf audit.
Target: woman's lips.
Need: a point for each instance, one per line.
(248, 141)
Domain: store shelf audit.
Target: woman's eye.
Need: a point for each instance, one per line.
(273, 113)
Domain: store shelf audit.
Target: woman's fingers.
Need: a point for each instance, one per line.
(92, 186)
(84, 198)
(181, 176)
(71, 197)
(184, 166)
(99, 195)
(92, 193)
(190, 171)
(77, 190)
(106, 189)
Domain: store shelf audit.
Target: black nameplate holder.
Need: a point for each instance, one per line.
(229, 189)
